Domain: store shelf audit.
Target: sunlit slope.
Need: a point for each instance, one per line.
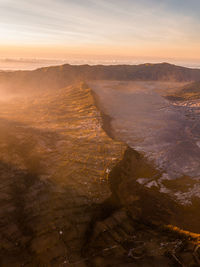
(54, 161)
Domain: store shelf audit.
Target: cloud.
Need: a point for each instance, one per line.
(100, 22)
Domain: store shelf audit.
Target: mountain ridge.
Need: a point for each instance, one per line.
(63, 186)
(56, 77)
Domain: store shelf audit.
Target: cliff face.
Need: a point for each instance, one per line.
(143, 214)
(141, 227)
(137, 226)
(149, 204)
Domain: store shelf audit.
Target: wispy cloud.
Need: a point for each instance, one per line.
(100, 22)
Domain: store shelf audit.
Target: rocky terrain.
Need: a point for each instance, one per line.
(55, 159)
(69, 195)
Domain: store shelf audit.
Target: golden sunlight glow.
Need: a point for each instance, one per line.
(91, 28)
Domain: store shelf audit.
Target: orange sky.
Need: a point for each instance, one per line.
(41, 51)
(161, 29)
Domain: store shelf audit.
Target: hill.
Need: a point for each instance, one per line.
(190, 91)
(60, 76)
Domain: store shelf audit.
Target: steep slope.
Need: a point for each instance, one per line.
(54, 162)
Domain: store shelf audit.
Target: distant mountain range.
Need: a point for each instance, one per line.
(60, 76)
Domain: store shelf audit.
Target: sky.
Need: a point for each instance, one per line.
(156, 29)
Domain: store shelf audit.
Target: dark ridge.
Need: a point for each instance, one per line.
(60, 76)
